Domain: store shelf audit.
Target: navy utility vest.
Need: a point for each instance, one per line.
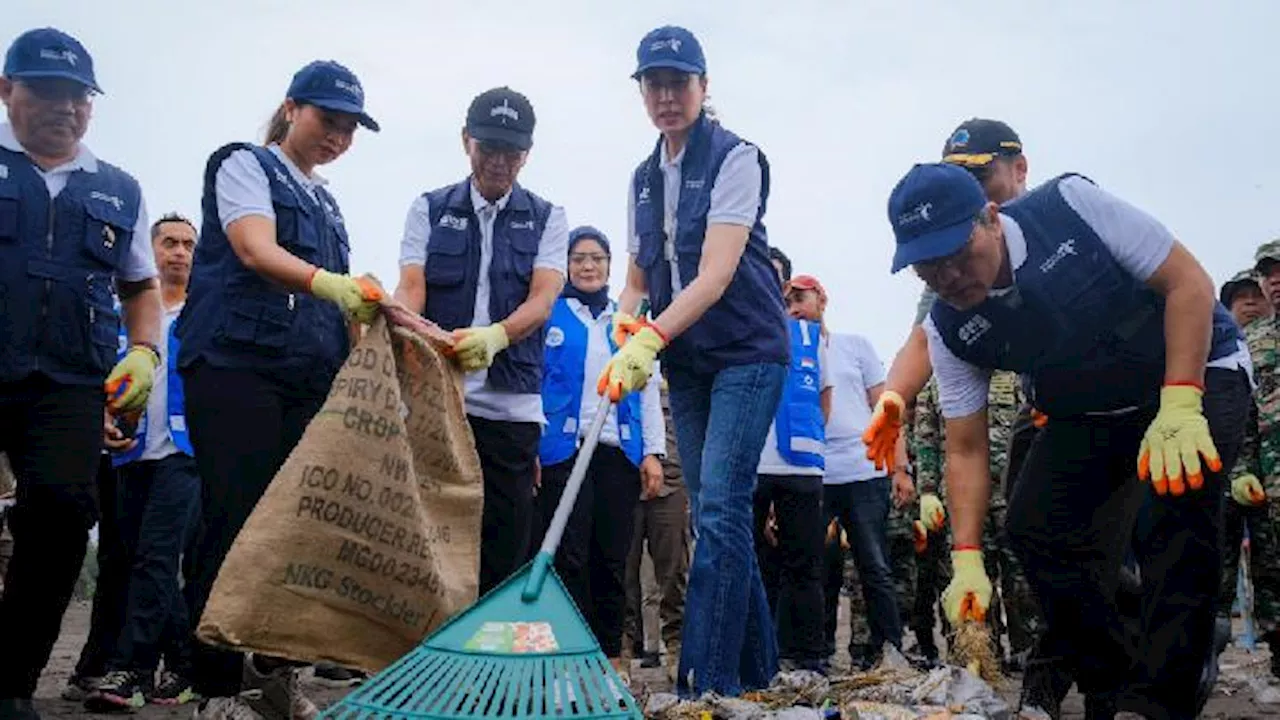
(563, 374)
(453, 271)
(1088, 334)
(175, 404)
(799, 425)
(58, 264)
(235, 318)
(748, 324)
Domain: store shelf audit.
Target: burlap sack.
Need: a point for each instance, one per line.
(369, 536)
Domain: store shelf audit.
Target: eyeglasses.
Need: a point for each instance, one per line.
(584, 258)
(656, 82)
(54, 90)
(495, 151)
(957, 261)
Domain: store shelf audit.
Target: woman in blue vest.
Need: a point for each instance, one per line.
(700, 253)
(263, 333)
(592, 558)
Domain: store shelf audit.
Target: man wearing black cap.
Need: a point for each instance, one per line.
(486, 258)
(1131, 358)
(73, 232)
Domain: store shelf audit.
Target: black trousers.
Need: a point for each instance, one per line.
(792, 571)
(508, 452)
(53, 436)
(1071, 518)
(110, 592)
(243, 424)
(592, 557)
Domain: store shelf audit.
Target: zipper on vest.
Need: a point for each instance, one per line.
(290, 301)
(48, 284)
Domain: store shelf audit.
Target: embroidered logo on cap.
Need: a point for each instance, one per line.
(505, 110)
(673, 44)
(67, 56)
(351, 87)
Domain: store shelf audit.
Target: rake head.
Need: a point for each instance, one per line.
(522, 651)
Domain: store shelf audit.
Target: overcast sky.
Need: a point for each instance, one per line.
(1171, 105)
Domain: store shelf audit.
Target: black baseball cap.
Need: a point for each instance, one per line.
(501, 116)
(979, 141)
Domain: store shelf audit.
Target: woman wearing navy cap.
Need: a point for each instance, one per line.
(592, 558)
(263, 333)
(700, 253)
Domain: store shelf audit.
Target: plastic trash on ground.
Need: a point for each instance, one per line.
(892, 690)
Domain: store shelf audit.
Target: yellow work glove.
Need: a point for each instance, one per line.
(1247, 491)
(359, 298)
(969, 593)
(932, 512)
(1179, 434)
(624, 326)
(629, 368)
(476, 347)
(129, 384)
(881, 437)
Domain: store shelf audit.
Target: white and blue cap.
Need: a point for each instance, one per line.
(933, 209)
(49, 53)
(670, 47)
(328, 85)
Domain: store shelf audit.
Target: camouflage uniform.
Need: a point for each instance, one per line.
(1259, 455)
(1003, 402)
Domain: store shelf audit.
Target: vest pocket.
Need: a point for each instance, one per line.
(446, 258)
(8, 214)
(108, 232)
(263, 324)
(524, 253)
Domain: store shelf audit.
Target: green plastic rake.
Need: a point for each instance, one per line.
(521, 651)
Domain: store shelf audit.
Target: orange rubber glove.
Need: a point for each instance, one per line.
(968, 595)
(881, 436)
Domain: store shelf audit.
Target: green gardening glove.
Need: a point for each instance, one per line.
(129, 385)
(358, 298)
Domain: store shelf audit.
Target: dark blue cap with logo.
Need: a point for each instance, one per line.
(49, 53)
(670, 47)
(502, 117)
(933, 209)
(328, 85)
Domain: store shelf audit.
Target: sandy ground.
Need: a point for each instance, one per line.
(1233, 699)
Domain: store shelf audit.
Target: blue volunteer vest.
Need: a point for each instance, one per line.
(175, 402)
(59, 260)
(799, 425)
(1087, 333)
(235, 318)
(562, 378)
(453, 270)
(748, 324)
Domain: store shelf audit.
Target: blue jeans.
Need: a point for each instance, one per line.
(863, 511)
(721, 422)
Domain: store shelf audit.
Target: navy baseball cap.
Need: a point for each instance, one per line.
(670, 47)
(49, 53)
(933, 209)
(979, 141)
(502, 116)
(328, 85)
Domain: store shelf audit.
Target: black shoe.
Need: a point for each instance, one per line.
(1045, 685)
(337, 677)
(18, 709)
(1101, 707)
(119, 690)
(650, 660)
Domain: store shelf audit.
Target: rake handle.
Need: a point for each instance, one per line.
(547, 553)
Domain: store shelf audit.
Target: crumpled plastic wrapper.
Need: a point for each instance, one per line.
(893, 690)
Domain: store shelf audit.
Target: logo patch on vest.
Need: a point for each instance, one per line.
(644, 196)
(453, 222)
(694, 184)
(1065, 249)
(525, 225)
(555, 337)
(976, 327)
(4, 171)
(109, 199)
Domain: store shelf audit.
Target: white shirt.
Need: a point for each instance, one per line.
(652, 424)
(159, 439)
(771, 461)
(1138, 242)
(242, 189)
(855, 369)
(735, 199)
(553, 254)
(139, 262)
